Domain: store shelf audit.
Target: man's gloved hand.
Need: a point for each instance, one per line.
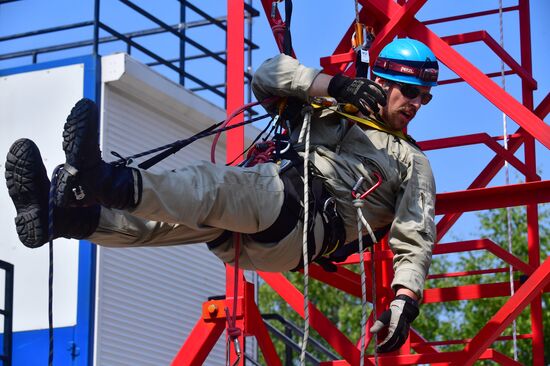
(403, 310)
(363, 93)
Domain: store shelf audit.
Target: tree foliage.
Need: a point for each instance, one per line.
(453, 320)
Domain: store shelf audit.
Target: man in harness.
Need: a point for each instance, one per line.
(121, 206)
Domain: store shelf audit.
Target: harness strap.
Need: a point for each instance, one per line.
(368, 122)
(291, 210)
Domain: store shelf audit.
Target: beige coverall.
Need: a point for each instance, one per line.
(198, 202)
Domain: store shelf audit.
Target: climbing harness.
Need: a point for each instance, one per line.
(359, 203)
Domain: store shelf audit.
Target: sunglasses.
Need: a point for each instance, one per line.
(411, 92)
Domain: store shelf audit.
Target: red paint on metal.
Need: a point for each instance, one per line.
(388, 19)
(494, 197)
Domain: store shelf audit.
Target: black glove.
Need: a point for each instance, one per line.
(403, 310)
(363, 93)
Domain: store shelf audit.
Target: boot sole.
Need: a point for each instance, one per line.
(81, 147)
(81, 135)
(28, 187)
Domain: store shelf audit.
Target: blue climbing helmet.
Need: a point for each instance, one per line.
(408, 61)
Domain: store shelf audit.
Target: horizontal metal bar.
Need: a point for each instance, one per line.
(470, 15)
(490, 75)
(159, 59)
(289, 341)
(455, 141)
(48, 49)
(298, 331)
(251, 10)
(170, 30)
(468, 292)
(468, 340)
(46, 30)
(188, 58)
(203, 14)
(496, 48)
(389, 359)
(494, 197)
(484, 244)
(467, 273)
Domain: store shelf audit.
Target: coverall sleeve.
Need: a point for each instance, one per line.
(412, 234)
(282, 76)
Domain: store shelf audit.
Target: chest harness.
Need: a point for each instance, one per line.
(281, 151)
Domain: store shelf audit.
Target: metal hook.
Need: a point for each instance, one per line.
(357, 186)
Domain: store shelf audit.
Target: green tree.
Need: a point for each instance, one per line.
(449, 320)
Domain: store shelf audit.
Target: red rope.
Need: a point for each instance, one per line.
(233, 331)
(260, 153)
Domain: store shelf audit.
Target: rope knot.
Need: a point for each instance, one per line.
(358, 203)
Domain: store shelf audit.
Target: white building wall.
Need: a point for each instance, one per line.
(34, 105)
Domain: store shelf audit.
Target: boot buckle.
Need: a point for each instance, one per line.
(79, 193)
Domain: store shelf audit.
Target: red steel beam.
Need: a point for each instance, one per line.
(478, 138)
(396, 24)
(484, 244)
(470, 15)
(464, 341)
(413, 359)
(455, 141)
(235, 137)
(533, 240)
(494, 197)
(481, 180)
(468, 292)
(467, 273)
(506, 314)
(543, 108)
(489, 75)
(485, 86)
(200, 342)
(343, 279)
(463, 68)
(254, 324)
(341, 344)
(496, 48)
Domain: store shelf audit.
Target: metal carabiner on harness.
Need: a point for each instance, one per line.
(355, 189)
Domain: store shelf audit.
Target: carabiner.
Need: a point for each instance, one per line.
(360, 181)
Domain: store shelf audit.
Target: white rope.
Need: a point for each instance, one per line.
(507, 180)
(305, 133)
(361, 221)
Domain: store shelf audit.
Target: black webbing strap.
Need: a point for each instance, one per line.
(291, 210)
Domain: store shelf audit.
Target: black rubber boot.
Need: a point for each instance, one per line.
(86, 179)
(28, 187)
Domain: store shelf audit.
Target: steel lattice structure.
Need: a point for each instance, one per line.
(390, 19)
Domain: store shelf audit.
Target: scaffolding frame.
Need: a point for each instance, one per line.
(390, 19)
(131, 42)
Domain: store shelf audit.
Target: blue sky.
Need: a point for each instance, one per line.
(317, 27)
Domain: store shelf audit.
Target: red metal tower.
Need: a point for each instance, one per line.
(390, 19)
